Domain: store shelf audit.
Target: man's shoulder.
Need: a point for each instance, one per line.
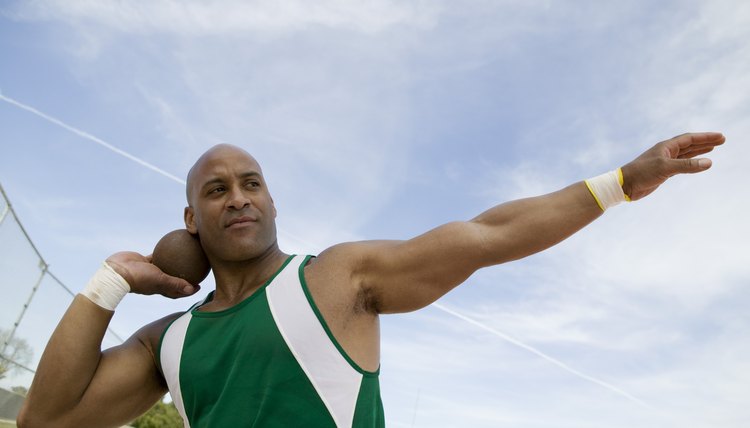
(336, 266)
(355, 261)
(150, 334)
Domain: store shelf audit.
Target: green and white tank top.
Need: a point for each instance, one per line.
(269, 361)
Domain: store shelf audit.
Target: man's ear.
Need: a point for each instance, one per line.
(274, 208)
(190, 221)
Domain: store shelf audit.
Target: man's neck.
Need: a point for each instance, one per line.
(236, 281)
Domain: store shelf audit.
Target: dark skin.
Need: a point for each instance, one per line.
(230, 207)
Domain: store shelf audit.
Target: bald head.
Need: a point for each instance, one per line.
(215, 160)
(229, 205)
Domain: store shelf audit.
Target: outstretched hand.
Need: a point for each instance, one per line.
(145, 278)
(667, 158)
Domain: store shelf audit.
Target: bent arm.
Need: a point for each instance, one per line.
(77, 385)
(400, 276)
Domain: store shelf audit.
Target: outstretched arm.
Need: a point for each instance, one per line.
(399, 276)
(78, 385)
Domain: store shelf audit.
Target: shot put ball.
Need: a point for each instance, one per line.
(179, 253)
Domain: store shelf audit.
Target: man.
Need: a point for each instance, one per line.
(293, 341)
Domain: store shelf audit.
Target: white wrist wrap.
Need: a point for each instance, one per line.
(106, 288)
(607, 189)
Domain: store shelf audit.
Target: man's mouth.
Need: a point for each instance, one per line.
(241, 221)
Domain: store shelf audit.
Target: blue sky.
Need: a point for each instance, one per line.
(383, 119)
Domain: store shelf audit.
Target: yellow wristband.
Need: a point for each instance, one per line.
(607, 189)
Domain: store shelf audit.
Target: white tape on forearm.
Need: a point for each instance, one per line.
(607, 189)
(106, 288)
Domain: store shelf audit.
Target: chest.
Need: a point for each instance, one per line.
(246, 339)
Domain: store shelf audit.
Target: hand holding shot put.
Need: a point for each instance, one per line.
(145, 277)
(290, 340)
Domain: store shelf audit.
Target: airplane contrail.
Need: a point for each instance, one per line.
(90, 137)
(539, 353)
(439, 306)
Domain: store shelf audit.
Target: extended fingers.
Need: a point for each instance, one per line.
(690, 145)
(695, 139)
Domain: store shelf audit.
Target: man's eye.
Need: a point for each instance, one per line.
(253, 184)
(217, 189)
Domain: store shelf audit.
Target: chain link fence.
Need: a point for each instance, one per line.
(33, 301)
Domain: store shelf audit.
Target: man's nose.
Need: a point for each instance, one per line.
(238, 199)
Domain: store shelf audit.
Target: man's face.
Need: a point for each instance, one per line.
(230, 207)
